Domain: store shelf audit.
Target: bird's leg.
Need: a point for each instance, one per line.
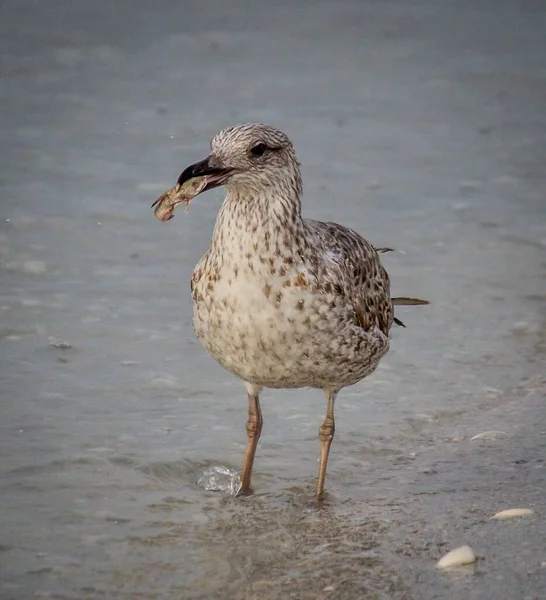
(253, 431)
(326, 435)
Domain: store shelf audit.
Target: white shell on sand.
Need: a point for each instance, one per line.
(512, 513)
(464, 555)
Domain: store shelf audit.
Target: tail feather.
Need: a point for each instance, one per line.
(404, 301)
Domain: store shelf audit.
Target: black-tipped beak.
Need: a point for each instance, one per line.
(208, 168)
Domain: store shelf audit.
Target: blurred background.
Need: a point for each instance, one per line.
(422, 125)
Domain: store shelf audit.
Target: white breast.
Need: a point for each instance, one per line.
(255, 328)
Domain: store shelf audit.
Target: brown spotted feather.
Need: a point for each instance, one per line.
(360, 278)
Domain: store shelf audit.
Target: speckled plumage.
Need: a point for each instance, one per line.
(280, 301)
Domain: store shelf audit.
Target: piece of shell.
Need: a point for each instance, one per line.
(164, 209)
(165, 204)
(464, 555)
(512, 513)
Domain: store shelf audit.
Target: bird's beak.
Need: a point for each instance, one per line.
(194, 180)
(209, 169)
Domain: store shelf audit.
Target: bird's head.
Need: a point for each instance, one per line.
(250, 155)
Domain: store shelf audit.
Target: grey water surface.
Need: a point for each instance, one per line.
(420, 124)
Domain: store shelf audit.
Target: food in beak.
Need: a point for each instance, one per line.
(165, 204)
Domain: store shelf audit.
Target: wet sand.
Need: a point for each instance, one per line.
(427, 128)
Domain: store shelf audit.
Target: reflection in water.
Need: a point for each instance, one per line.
(267, 546)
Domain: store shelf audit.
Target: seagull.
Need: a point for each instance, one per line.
(278, 300)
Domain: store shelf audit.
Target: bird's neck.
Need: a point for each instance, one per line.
(258, 222)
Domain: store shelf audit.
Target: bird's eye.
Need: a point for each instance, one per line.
(258, 149)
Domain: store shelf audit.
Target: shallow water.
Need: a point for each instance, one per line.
(421, 128)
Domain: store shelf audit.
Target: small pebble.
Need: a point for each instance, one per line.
(30, 302)
(512, 513)
(33, 267)
(464, 555)
(506, 180)
(459, 206)
(493, 392)
(329, 588)
(470, 186)
(525, 328)
(165, 381)
(61, 345)
(489, 435)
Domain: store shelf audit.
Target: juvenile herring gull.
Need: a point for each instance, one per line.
(278, 300)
